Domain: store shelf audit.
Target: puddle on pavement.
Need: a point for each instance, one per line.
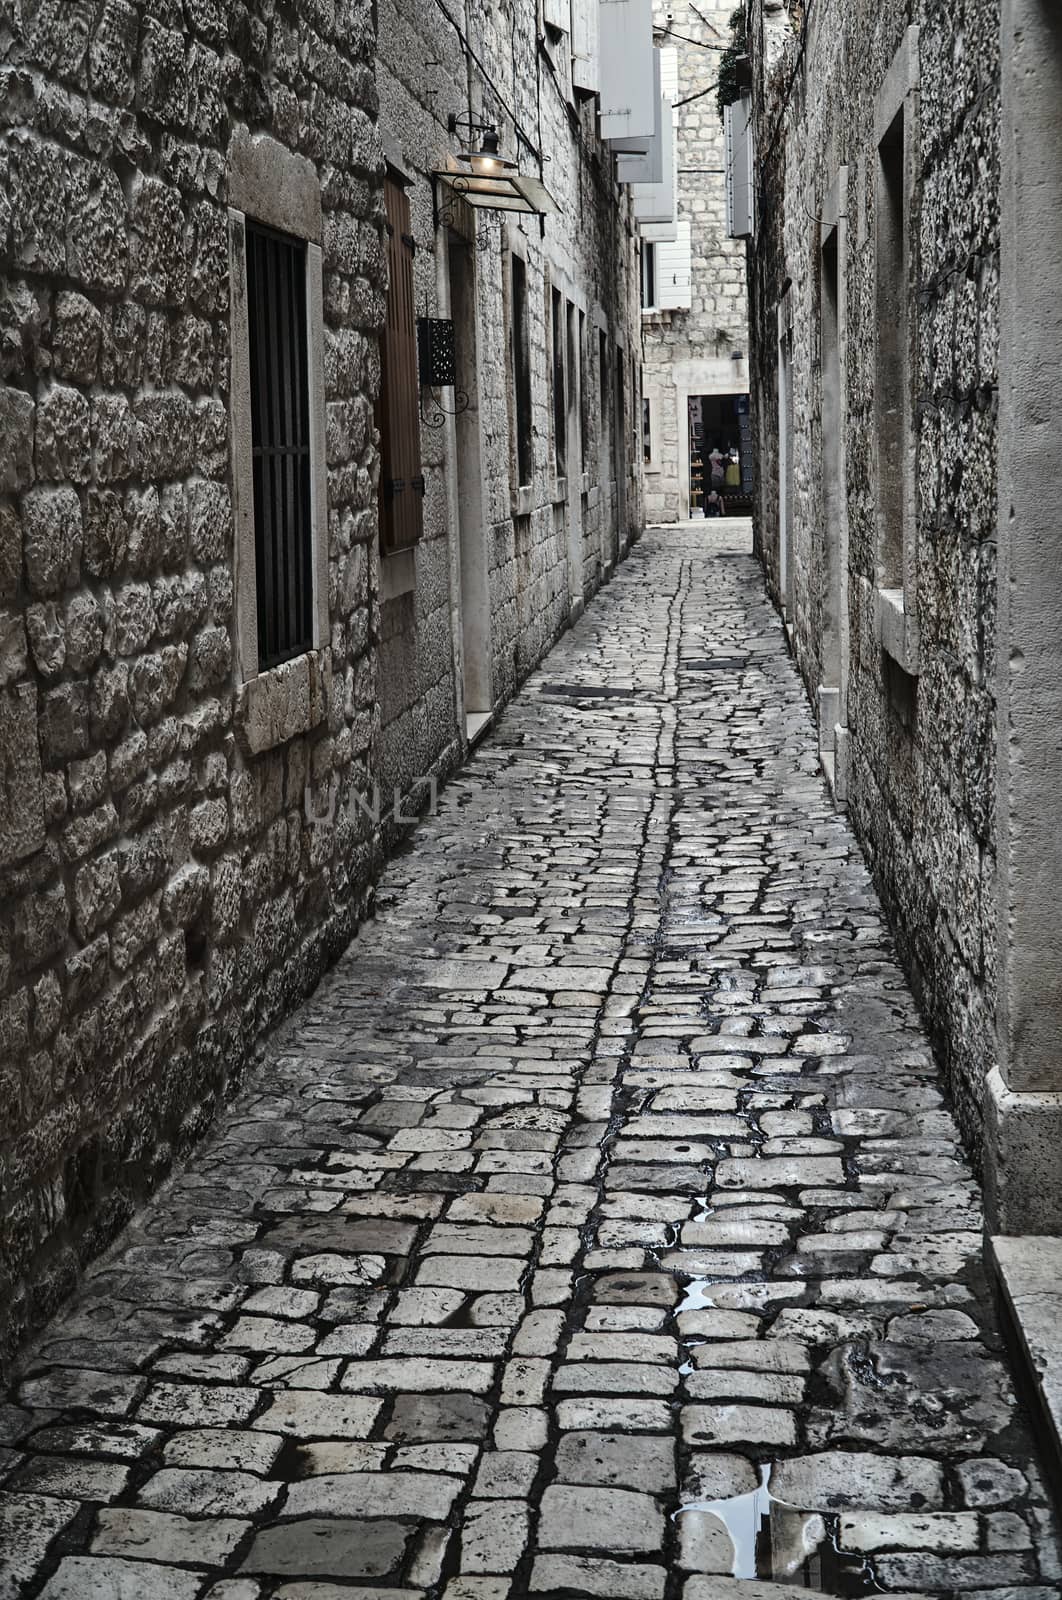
(697, 1295)
(776, 1542)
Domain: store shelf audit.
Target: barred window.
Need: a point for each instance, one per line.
(280, 440)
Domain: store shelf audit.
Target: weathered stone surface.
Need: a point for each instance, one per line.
(838, 1478)
(603, 1519)
(333, 1548)
(16, 434)
(22, 828)
(51, 520)
(28, 1525)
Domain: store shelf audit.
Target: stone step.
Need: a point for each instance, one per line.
(1029, 1272)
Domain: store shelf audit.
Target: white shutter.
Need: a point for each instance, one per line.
(557, 13)
(674, 262)
(740, 168)
(628, 89)
(642, 160)
(585, 74)
(655, 201)
(669, 72)
(659, 232)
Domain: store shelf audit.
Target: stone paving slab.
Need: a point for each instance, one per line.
(599, 1228)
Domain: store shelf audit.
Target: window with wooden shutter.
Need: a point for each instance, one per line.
(398, 411)
(280, 443)
(520, 345)
(560, 402)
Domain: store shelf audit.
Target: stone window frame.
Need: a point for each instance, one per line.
(555, 317)
(271, 185)
(896, 606)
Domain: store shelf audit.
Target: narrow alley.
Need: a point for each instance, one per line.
(598, 1228)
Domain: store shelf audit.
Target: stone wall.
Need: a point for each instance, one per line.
(185, 843)
(541, 549)
(901, 662)
(164, 897)
(691, 352)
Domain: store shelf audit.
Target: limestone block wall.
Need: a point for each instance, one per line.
(691, 352)
(165, 894)
(916, 696)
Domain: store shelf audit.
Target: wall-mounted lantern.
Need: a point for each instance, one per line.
(481, 176)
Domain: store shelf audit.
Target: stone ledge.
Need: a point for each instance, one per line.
(896, 629)
(1028, 1269)
(283, 702)
(398, 575)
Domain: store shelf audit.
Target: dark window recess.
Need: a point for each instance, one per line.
(584, 394)
(521, 356)
(648, 275)
(560, 404)
(280, 438)
(604, 407)
(398, 410)
(891, 354)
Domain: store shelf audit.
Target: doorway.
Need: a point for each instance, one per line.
(721, 454)
(475, 588)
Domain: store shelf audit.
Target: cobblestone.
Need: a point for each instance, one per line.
(602, 1206)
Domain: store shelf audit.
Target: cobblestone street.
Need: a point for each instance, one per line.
(599, 1227)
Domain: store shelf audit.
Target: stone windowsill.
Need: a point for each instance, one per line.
(896, 629)
(523, 500)
(398, 575)
(283, 702)
(560, 491)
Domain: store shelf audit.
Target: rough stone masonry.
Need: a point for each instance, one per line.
(140, 819)
(607, 1177)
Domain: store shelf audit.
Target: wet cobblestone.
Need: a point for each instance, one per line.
(598, 1229)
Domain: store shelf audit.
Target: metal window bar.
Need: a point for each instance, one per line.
(280, 438)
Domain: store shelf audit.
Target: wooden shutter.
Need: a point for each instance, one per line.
(740, 168)
(585, 74)
(641, 160)
(398, 411)
(280, 440)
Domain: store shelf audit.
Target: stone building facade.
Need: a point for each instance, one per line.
(520, 542)
(695, 311)
(191, 222)
(907, 343)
